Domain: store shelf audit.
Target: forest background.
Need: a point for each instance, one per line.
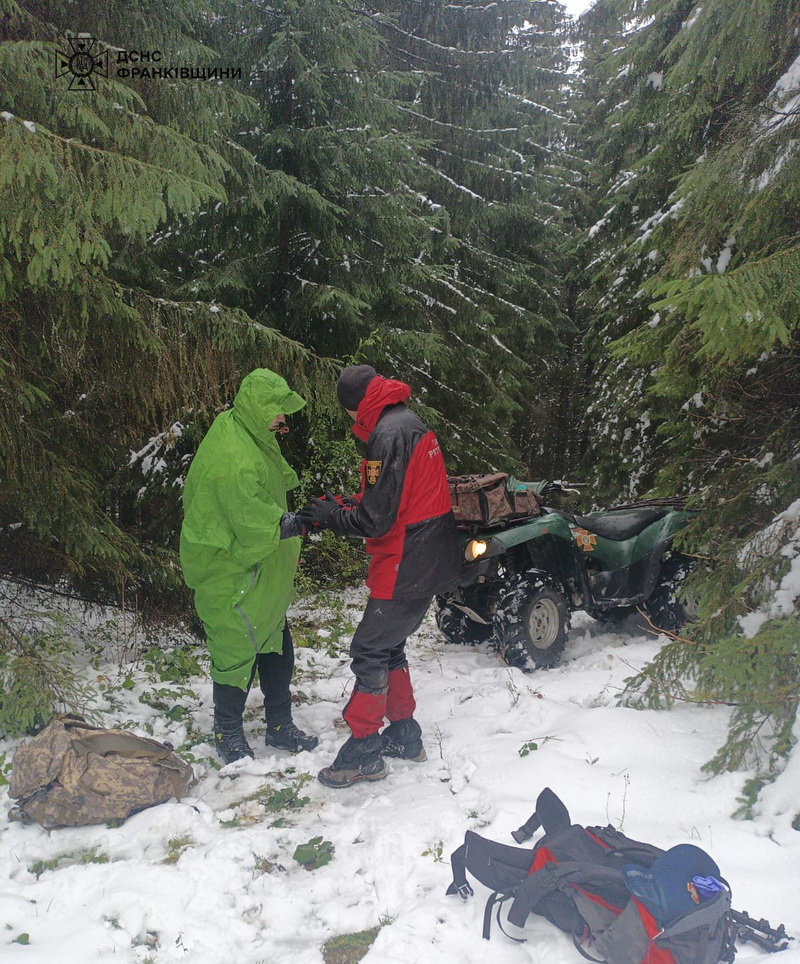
(578, 242)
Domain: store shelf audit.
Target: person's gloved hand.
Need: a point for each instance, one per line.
(348, 501)
(292, 525)
(317, 514)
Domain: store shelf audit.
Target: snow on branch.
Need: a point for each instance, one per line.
(456, 185)
(529, 103)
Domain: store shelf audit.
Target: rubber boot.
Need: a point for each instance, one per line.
(229, 738)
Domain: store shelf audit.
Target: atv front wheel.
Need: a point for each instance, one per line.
(532, 622)
(456, 626)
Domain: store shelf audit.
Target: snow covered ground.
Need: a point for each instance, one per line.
(212, 879)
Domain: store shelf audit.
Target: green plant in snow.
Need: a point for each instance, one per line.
(79, 857)
(175, 847)
(435, 850)
(314, 854)
(349, 948)
(37, 677)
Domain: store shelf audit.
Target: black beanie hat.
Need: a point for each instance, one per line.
(352, 385)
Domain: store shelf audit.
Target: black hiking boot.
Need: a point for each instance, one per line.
(230, 742)
(287, 736)
(403, 740)
(357, 759)
(229, 738)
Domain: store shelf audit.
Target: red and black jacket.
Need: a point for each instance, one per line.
(403, 508)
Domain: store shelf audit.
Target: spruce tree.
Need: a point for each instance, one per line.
(97, 355)
(486, 90)
(694, 269)
(390, 231)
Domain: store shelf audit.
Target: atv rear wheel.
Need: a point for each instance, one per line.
(665, 607)
(457, 627)
(532, 622)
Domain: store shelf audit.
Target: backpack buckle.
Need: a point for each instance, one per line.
(465, 891)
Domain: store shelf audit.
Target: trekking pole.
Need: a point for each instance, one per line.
(760, 932)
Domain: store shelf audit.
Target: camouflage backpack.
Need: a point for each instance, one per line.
(73, 774)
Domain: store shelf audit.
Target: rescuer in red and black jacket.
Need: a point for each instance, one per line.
(403, 512)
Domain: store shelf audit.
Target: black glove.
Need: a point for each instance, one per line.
(348, 501)
(317, 514)
(292, 525)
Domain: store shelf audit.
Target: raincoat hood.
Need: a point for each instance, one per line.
(380, 393)
(262, 395)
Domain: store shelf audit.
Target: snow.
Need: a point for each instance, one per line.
(212, 879)
(725, 255)
(650, 224)
(784, 99)
(595, 228)
(766, 177)
(690, 22)
(576, 8)
(636, 25)
(780, 537)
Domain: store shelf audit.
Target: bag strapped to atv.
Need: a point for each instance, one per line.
(585, 881)
(490, 499)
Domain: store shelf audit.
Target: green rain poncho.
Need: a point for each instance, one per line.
(232, 555)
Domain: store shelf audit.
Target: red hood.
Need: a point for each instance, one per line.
(380, 393)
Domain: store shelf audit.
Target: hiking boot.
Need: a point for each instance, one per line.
(231, 743)
(403, 740)
(287, 736)
(357, 759)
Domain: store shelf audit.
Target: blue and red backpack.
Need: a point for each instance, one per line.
(578, 879)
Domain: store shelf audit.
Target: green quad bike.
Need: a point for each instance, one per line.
(521, 579)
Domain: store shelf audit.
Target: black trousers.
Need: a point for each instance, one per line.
(379, 642)
(274, 676)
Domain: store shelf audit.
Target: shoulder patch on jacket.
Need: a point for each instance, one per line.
(374, 471)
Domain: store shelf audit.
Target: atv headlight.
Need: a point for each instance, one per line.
(475, 549)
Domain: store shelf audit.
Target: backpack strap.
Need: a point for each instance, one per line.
(126, 744)
(533, 891)
(460, 885)
(550, 814)
(556, 877)
(493, 899)
(497, 866)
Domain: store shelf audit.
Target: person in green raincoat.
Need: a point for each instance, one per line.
(239, 551)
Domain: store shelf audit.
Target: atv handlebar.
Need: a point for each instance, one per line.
(559, 486)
